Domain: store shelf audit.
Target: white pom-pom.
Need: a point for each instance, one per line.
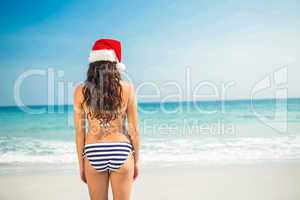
(121, 66)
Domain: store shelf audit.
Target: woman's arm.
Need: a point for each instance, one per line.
(79, 123)
(133, 128)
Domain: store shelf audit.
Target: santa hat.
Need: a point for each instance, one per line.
(107, 50)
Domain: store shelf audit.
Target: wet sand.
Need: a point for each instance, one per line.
(209, 182)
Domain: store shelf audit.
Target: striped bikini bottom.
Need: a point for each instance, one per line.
(107, 156)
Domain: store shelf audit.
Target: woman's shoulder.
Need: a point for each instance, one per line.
(127, 85)
(78, 92)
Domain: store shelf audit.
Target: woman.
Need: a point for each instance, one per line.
(108, 152)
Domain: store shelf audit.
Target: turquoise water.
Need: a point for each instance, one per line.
(210, 131)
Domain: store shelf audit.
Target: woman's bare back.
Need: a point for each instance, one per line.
(116, 130)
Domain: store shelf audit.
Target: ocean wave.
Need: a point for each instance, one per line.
(222, 150)
(26, 149)
(159, 150)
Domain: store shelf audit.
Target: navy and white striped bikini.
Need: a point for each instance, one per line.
(109, 156)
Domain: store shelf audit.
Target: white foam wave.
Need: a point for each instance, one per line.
(27, 150)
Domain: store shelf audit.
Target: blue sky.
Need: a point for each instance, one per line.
(220, 41)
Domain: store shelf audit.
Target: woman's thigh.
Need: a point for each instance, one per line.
(122, 180)
(97, 182)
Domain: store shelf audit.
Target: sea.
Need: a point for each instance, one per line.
(217, 132)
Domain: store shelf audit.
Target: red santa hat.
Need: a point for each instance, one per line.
(107, 50)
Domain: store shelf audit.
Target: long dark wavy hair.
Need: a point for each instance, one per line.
(102, 91)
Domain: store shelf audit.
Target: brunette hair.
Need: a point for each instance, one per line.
(102, 91)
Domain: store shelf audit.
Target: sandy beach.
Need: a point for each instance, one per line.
(213, 114)
(233, 181)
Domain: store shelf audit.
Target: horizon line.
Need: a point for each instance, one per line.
(184, 101)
